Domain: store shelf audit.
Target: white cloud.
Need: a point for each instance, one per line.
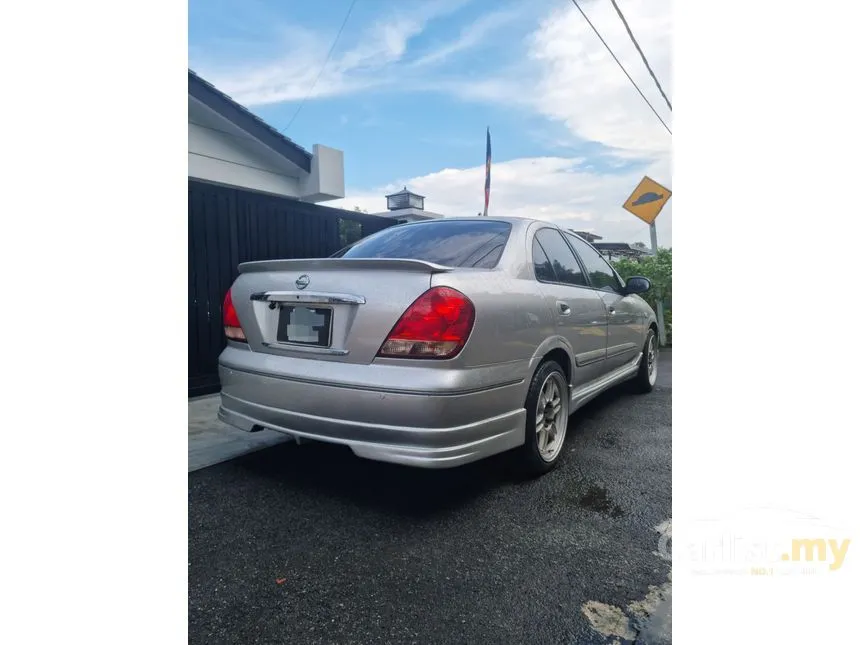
(370, 63)
(472, 35)
(550, 188)
(291, 78)
(569, 77)
(564, 74)
(581, 85)
(564, 71)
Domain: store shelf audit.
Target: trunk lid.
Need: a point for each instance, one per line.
(338, 310)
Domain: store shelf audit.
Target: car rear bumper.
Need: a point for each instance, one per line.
(420, 429)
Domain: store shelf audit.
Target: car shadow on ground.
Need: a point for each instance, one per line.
(335, 471)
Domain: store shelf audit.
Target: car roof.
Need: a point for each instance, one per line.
(509, 220)
(521, 221)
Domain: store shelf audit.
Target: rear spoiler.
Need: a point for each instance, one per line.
(344, 264)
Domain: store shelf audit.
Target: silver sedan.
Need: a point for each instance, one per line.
(435, 343)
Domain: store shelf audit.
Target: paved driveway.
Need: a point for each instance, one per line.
(309, 544)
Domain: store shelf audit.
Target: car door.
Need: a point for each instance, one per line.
(627, 320)
(580, 314)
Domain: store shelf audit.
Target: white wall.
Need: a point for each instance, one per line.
(325, 180)
(409, 214)
(222, 153)
(227, 159)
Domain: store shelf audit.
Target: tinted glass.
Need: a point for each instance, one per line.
(563, 261)
(543, 269)
(461, 243)
(599, 271)
(349, 230)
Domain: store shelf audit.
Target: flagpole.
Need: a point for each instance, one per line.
(487, 179)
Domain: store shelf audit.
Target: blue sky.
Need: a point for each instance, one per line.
(412, 85)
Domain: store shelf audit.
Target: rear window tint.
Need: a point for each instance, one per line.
(460, 243)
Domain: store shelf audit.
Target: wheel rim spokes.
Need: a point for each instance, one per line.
(551, 417)
(652, 359)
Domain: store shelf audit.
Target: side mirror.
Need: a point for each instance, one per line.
(637, 284)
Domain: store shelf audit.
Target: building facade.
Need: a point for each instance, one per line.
(253, 194)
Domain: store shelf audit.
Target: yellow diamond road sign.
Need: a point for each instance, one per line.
(647, 200)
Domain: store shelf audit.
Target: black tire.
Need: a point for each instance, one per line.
(530, 462)
(644, 380)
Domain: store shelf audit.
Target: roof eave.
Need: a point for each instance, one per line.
(223, 105)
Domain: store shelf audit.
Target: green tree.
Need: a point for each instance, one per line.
(658, 269)
(349, 231)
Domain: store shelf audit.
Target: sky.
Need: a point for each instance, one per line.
(412, 86)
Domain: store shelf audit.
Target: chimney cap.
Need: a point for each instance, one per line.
(405, 191)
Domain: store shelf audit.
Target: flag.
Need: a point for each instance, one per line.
(487, 181)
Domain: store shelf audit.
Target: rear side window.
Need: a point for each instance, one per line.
(459, 243)
(599, 272)
(561, 258)
(543, 269)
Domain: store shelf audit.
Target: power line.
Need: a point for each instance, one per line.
(641, 53)
(576, 4)
(325, 62)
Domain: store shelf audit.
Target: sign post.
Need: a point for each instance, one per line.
(661, 325)
(646, 202)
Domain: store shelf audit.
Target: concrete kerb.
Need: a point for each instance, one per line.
(211, 442)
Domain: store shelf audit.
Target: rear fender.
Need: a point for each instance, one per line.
(548, 345)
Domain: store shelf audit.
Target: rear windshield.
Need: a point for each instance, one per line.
(460, 243)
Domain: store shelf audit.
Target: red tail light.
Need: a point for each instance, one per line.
(232, 326)
(437, 325)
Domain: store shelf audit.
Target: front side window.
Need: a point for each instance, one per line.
(600, 273)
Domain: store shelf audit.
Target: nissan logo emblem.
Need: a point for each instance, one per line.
(302, 281)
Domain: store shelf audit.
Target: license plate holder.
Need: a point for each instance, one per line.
(309, 326)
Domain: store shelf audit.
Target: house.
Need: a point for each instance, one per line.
(230, 146)
(253, 194)
(591, 238)
(615, 250)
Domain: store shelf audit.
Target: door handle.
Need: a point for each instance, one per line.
(563, 308)
(612, 311)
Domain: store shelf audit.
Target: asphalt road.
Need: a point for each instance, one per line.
(309, 544)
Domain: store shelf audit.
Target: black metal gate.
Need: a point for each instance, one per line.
(228, 226)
